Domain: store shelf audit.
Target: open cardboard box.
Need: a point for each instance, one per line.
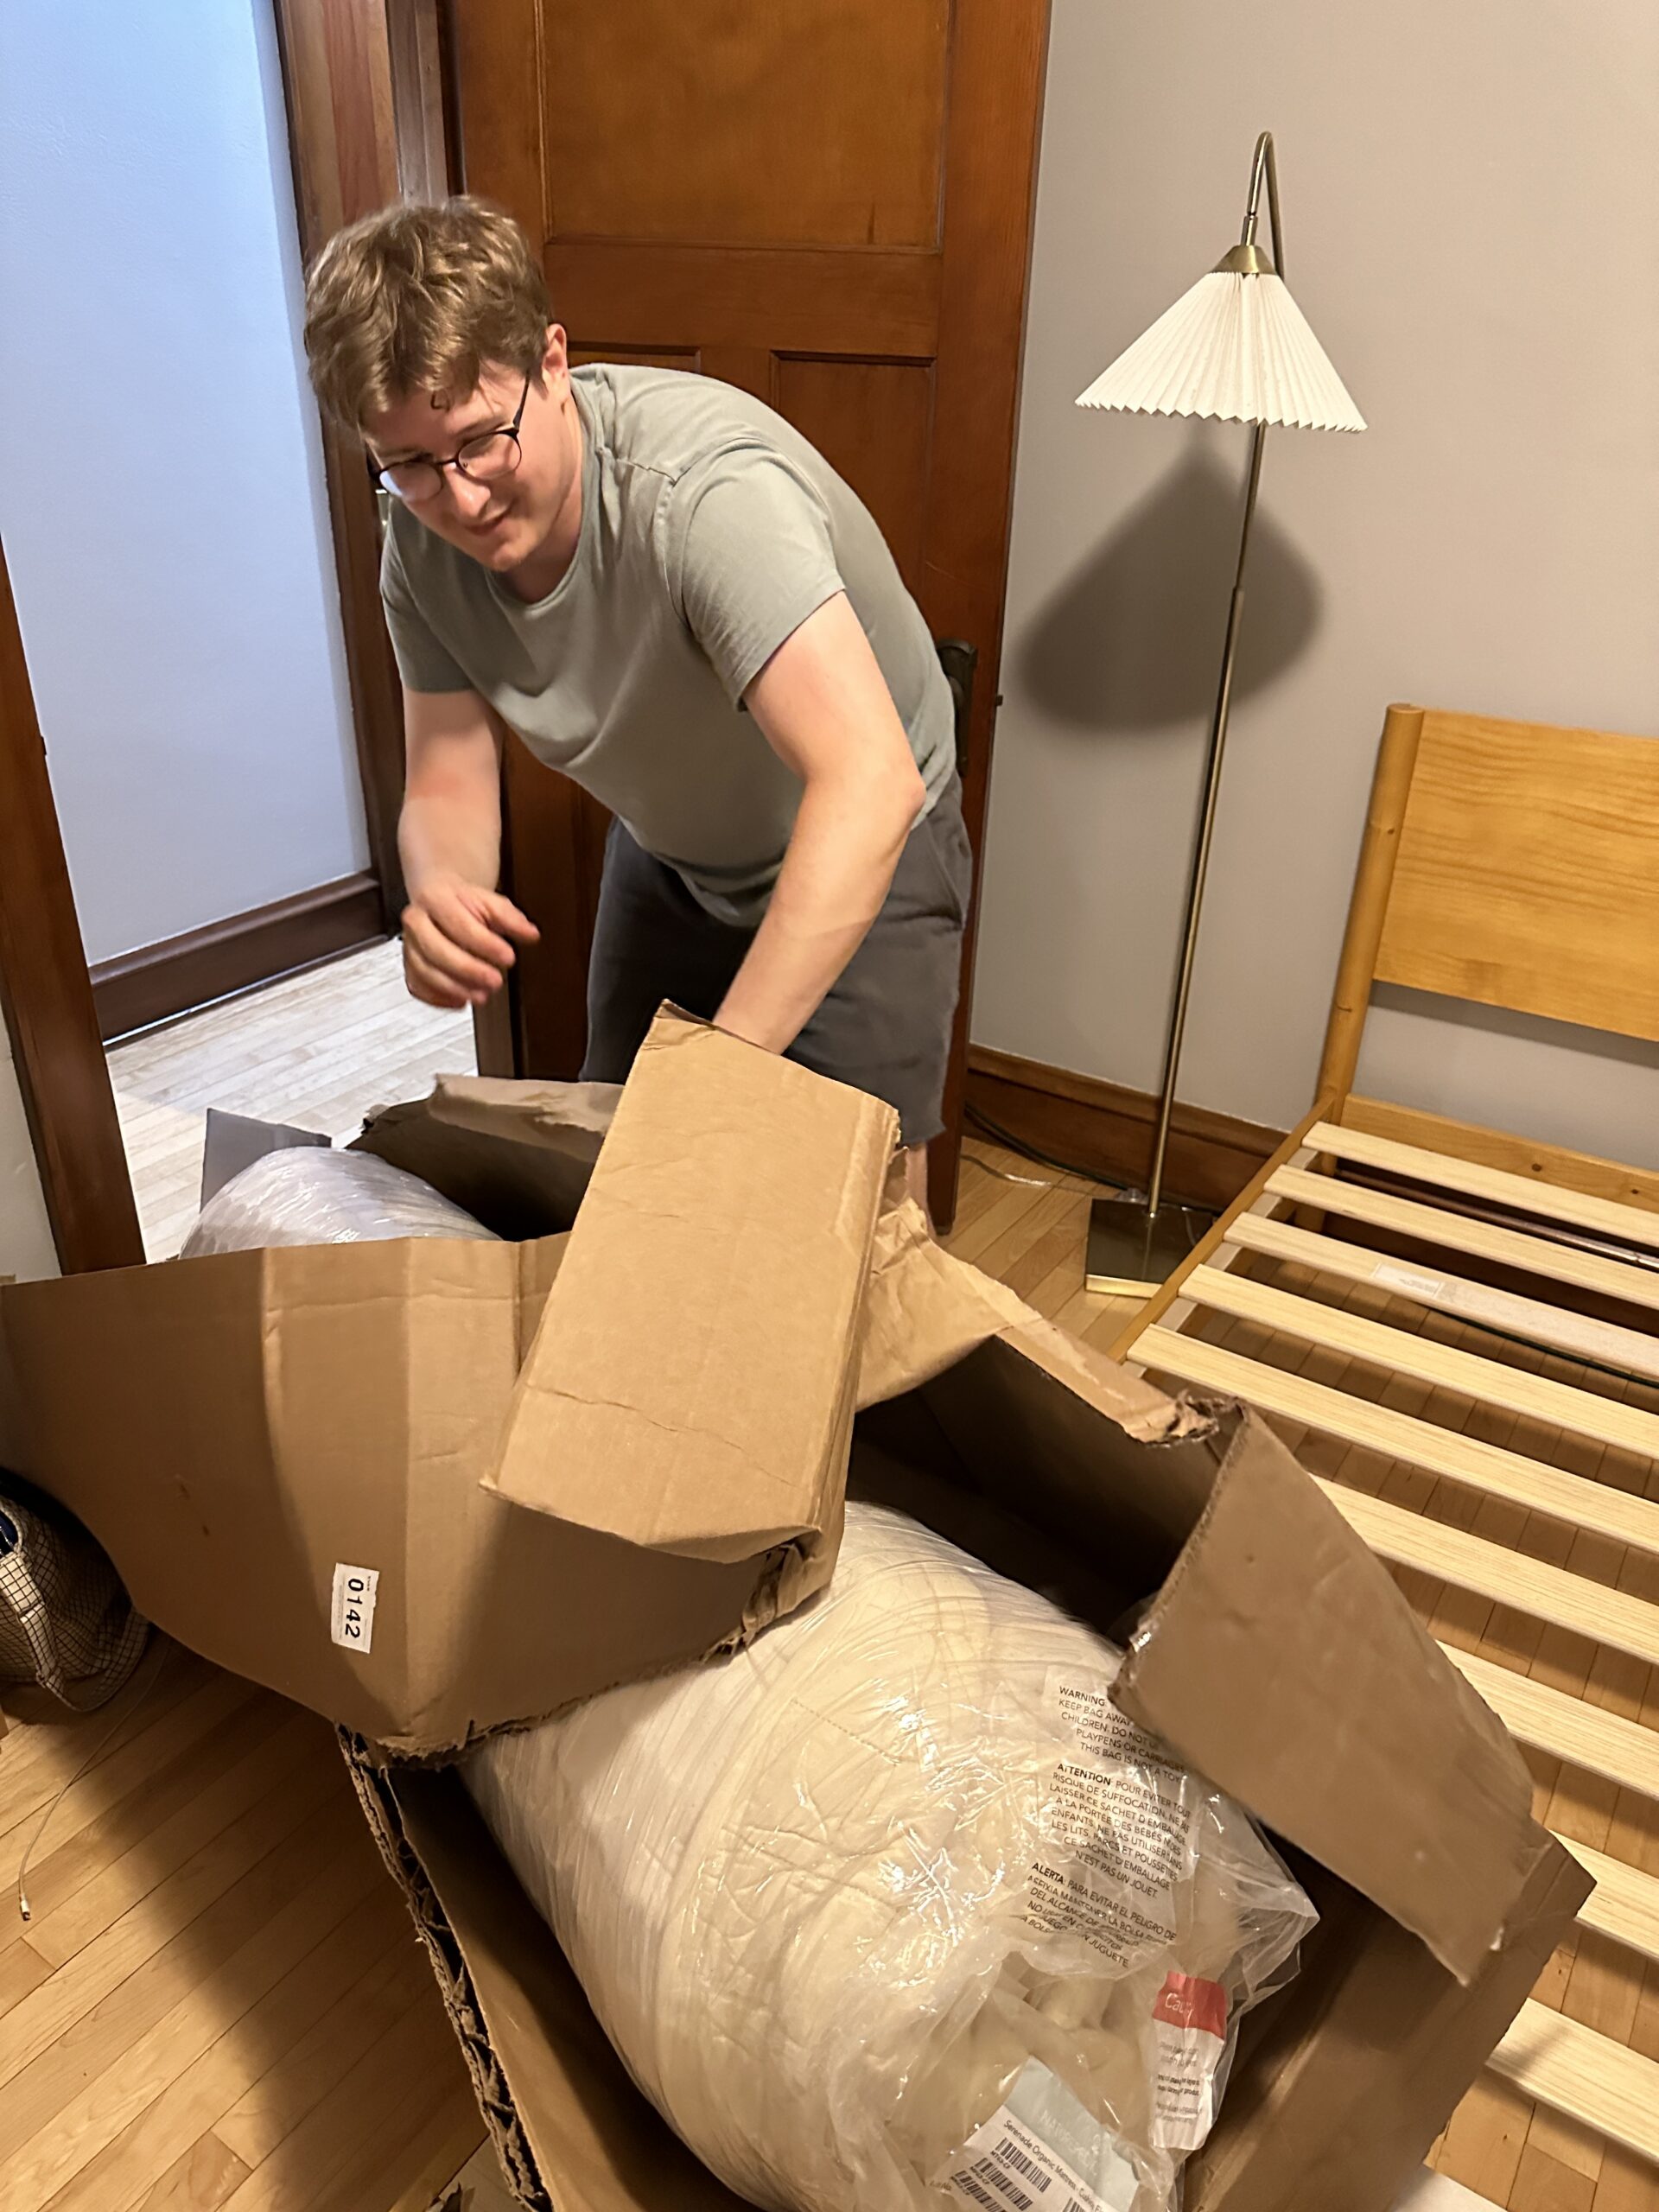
(311, 1465)
(652, 1467)
(1275, 1654)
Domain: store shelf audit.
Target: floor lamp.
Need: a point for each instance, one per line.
(1235, 348)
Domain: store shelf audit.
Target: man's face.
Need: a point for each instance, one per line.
(500, 522)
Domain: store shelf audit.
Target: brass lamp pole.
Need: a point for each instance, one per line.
(1235, 347)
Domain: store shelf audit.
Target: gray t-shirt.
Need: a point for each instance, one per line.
(710, 529)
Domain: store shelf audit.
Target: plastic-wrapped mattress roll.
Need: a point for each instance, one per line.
(308, 1195)
(894, 1909)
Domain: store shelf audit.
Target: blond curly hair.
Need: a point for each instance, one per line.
(417, 298)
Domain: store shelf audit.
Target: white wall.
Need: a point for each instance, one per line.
(26, 1249)
(161, 489)
(1467, 198)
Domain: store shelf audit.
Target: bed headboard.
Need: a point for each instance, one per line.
(1514, 864)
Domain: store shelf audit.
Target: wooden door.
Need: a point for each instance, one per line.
(827, 202)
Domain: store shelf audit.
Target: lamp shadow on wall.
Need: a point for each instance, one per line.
(1131, 641)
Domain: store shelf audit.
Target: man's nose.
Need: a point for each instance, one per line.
(472, 498)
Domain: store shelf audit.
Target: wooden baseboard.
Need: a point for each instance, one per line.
(1107, 1129)
(161, 981)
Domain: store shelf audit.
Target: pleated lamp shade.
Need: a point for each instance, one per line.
(1236, 347)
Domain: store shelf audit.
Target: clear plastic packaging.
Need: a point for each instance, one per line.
(311, 1195)
(893, 1910)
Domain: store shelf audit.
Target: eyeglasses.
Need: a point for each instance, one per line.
(481, 459)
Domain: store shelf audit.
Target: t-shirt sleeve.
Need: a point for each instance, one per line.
(748, 557)
(422, 663)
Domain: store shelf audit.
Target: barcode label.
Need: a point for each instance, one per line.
(352, 1613)
(970, 2189)
(1012, 2156)
(1007, 2168)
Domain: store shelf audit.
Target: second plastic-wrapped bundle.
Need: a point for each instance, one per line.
(893, 1908)
(311, 1195)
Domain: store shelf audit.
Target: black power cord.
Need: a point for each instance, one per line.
(1012, 1143)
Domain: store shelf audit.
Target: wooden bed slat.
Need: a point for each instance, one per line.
(1580, 1335)
(1610, 1616)
(1460, 1459)
(1564, 1728)
(1574, 2070)
(1510, 1247)
(1629, 1225)
(1605, 1421)
(1624, 1904)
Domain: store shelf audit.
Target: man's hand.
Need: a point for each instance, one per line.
(458, 934)
(457, 942)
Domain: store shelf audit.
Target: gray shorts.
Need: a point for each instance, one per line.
(885, 1027)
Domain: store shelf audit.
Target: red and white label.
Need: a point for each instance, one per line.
(1190, 2028)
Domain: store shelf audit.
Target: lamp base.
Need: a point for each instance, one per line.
(1133, 1253)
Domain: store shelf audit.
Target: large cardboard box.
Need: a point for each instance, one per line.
(1273, 1652)
(575, 1459)
(312, 1464)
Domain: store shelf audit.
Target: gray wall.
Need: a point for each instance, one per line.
(1468, 197)
(161, 489)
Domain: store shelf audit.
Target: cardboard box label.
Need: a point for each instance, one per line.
(351, 1614)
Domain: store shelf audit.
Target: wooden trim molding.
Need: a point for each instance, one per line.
(46, 997)
(1108, 1129)
(236, 953)
(337, 82)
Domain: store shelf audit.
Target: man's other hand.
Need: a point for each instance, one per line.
(459, 941)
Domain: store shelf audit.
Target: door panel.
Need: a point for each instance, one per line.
(827, 205)
(629, 93)
(869, 420)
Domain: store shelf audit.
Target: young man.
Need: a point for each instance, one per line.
(672, 598)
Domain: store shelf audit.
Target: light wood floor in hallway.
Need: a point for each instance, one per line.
(220, 2001)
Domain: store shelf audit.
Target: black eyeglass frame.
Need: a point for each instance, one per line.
(377, 469)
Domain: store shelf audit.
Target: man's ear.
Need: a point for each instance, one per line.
(556, 360)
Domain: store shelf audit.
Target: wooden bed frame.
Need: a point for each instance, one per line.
(1457, 1332)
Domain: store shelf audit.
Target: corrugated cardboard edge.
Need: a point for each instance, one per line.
(375, 1794)
(520, 1990)
(785, 1578)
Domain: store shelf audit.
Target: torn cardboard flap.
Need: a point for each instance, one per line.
(566, 1117)
(925, 1310)
(517, 1155)
(690, 1388)
(1416, 1796)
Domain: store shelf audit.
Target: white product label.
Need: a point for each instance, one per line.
(1007, 2167)
(1098, 1727)
(352, 1615)
(1116, 1836)
(1189, 2029)
(1393, 1277)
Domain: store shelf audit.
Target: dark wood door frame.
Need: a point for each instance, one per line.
(998, 64)
(45, 994)
(337, 81)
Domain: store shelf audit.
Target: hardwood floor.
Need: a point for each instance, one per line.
(220, 2005)
(318, 1051)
